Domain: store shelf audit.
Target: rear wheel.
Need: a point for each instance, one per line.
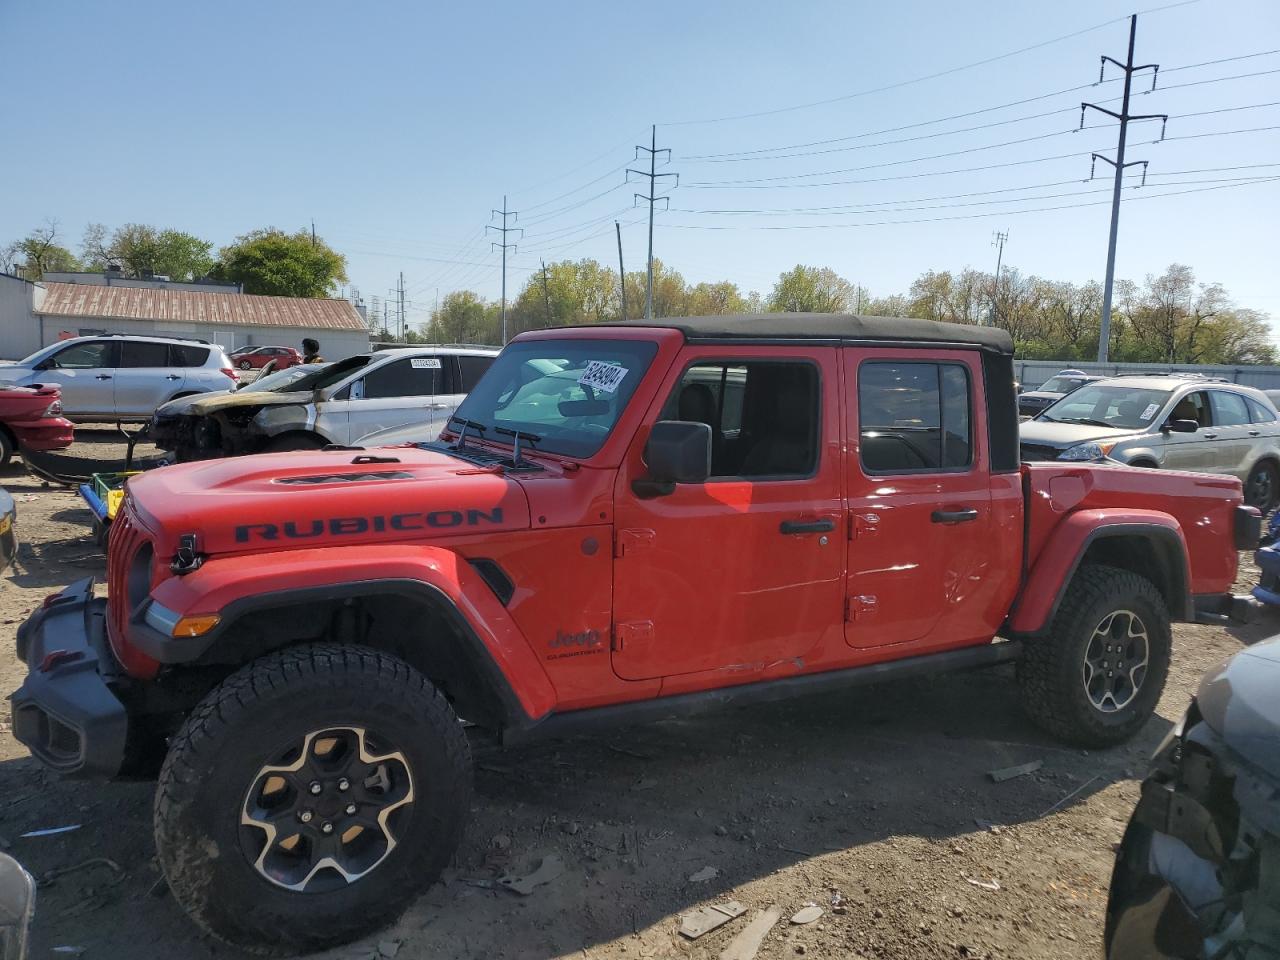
(246, 365)
(310, 797)
(1262, 486)
(1097, 676)
(6, 448)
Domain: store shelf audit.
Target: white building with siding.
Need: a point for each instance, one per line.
(33, 315)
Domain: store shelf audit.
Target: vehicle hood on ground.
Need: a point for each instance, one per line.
(316, 499)
(1065, 435)
(202, 405)
(1240, 701)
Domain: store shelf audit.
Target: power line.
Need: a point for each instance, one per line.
(1145, 195)
(922, 79)
(708, 157)
(653, 176)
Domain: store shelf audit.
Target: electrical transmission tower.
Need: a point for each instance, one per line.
(652, 175)
(503, 246)
(998, 240)
(1124, 116)
(401, 305)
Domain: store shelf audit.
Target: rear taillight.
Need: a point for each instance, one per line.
(231, 372)
(54, 409)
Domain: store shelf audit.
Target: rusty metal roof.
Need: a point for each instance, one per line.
(189, 306)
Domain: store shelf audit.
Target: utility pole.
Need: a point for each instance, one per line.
(504, 230)
(998, 240)
(1124, 116)
(652, 174)
(313, 231)
(546, 293)
(402, 306)
(622, 274)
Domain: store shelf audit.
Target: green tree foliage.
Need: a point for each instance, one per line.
(282, 264)
(463, 317)
(812, 290)
(140, 250)
(38, 253)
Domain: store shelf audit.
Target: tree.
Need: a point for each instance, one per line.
(141, 251)
(462, 317)
(39, 253)
(708, 299)
(576, 291)
(812, 290)
(281, 264)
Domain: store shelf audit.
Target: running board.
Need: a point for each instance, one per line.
(573, 723)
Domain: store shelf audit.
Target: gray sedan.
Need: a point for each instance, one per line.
(1169, 422)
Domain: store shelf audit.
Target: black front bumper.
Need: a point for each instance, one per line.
(66, 712)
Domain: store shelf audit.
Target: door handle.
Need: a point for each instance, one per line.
(954, 516)
(103, 376)
(1211, 436)
(807, 526)
(173, 376)
(1255, 433)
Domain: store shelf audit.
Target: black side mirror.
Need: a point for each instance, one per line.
(46, 364)
(1181, 426)
(678, 451)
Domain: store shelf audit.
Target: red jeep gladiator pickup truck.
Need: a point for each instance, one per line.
(625, 522)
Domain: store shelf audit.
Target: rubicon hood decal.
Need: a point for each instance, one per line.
(305, 499)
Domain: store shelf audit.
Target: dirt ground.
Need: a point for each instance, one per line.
(873, 804)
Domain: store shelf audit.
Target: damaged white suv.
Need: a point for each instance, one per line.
(337, 403)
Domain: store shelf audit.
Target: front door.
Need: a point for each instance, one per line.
(747, 569)
(1189, 451)
(86, 373)
(407, 390)
(919, 498)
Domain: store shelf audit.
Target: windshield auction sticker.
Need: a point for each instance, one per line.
(425, 363)
(601, 375)
(1150, 412)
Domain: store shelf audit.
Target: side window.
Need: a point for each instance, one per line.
(410, 377)
(1259, 413)
(86, 356)
(187, 355)
(473, 369)
(143, 353)
(764, 416)
(1229, 409)
(914, 417)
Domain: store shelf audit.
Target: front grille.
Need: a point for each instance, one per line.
(1038, 452)
(124, 542)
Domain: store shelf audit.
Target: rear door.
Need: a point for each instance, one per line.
(1229, 452)
(144, 379)
(407, 390)
(86, 373)
(919, 498)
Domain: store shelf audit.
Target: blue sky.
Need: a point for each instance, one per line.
(399, 125)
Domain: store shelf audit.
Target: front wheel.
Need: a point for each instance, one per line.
(246, 365)
(1096, 677)
(1262, 487)
(310, 797)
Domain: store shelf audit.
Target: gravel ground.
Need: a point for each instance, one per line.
(873, 804)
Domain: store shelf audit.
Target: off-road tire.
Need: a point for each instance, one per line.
(225, 744)
(1050, 672)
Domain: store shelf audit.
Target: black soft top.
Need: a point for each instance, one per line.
(829, 327)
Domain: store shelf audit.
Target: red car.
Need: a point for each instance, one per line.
(31, 416)
(255, 358)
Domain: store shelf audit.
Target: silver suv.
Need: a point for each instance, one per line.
(1171, 422)
(122, 377)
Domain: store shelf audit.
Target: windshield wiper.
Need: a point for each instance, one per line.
(476, 425)
(530, 438)
(1086, 421)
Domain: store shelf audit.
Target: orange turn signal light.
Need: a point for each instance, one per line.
(196, 626)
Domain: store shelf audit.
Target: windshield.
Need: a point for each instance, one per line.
(1060, 384)
(287, 378)
(570, 393)
(318, 377)
(1110, 405)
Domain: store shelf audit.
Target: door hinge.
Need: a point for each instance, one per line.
(859, 607)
